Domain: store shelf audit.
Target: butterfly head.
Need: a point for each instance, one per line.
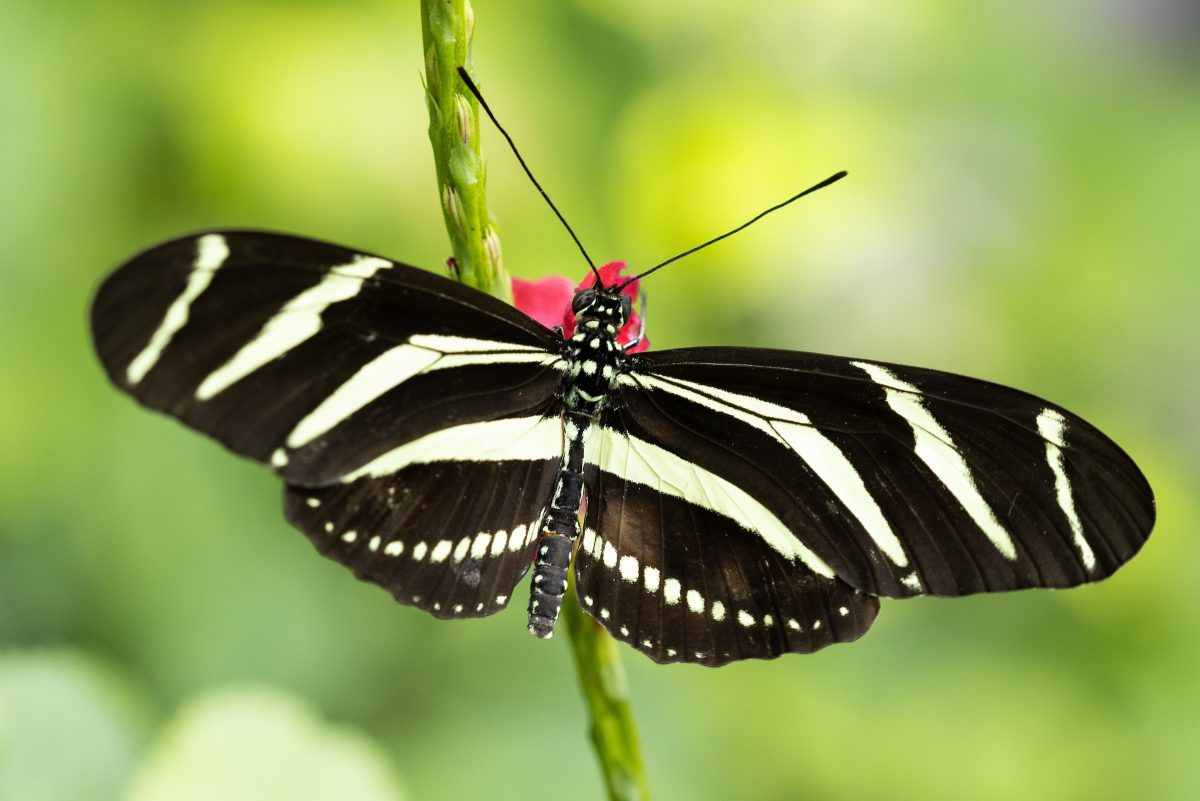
(605, 305)
(557, 303)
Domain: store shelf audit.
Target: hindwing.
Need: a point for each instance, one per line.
(682, 582)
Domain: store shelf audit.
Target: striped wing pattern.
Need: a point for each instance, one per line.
(683, 583)
(397, 531)
(898, 481)
(362, 382)
(740, 503)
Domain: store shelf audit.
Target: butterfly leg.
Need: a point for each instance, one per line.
(559, 531)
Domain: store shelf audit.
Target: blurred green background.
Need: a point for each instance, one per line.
(1022, 206)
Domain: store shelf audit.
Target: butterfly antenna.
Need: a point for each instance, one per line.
(831, 179)
(462, 73)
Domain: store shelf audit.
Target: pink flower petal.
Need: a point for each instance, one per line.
(548, 300)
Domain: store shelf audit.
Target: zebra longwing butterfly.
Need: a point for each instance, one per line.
(741, 503)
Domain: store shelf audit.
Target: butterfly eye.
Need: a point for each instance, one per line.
(582, 300)
(626, 307)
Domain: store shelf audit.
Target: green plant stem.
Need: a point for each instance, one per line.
(446, 29)
(604, 686)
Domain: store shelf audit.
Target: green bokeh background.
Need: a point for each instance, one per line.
(1023, 205)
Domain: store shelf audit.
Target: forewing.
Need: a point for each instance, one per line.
(898, 480)
(312, 357)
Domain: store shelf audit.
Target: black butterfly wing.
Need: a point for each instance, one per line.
(452, 537)
(684, 583)
(371, 387)
(896, 480)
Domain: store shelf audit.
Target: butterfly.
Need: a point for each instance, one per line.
(740, 502)
(715, 503)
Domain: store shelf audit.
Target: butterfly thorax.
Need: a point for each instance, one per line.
(594, 359)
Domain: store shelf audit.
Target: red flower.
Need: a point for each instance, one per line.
(548, 301)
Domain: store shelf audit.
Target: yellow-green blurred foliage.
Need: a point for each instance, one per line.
(1023, 205)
